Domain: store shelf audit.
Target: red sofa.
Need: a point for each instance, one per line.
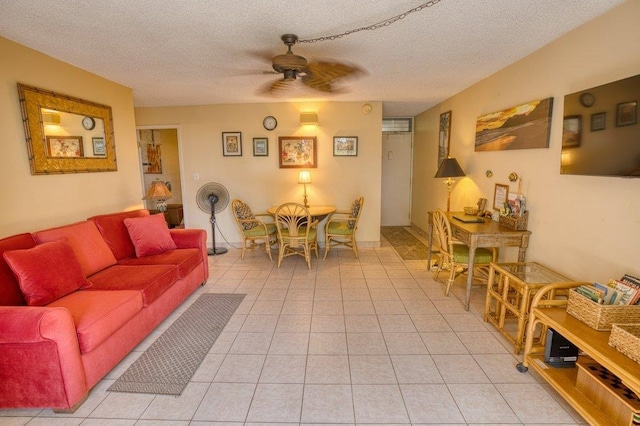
(76, 299)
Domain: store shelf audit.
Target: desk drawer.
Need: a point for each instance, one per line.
(459, 234)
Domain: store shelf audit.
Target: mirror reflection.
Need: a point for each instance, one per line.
(601, 134)
(73, 135)
(66, 134)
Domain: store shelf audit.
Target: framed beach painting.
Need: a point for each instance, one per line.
(524, 126)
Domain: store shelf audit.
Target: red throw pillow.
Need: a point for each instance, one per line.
(46, 272)
(150, 235)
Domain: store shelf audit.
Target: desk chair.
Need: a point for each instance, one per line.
(454, 255)
(341, 228)
(297, 232)
(253, 229)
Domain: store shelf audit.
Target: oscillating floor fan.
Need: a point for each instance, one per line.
(213, 198)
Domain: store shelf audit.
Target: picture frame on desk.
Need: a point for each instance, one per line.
(500, 196)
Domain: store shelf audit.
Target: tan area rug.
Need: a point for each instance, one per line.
(404, 242)
(169, 363)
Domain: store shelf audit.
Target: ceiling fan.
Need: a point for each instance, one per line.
(321, 75)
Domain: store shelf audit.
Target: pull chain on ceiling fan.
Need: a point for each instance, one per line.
(322, 75)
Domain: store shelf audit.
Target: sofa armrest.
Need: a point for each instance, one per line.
(189, 238)
(40, 358)
(192, 238)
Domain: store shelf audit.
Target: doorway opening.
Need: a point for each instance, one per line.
(159, 156)
(397, 154)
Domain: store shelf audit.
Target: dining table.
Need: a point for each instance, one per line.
(482, 233)
(317, 212)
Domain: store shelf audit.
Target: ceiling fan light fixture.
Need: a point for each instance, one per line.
(289, 75)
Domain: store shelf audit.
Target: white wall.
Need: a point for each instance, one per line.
(258, 180)
(585, 227)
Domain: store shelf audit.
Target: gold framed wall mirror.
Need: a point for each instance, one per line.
(66, 134)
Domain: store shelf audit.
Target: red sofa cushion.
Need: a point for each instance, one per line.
(98, 314)
(150, 235)
(115, 233)
(151, 280)
(185, 259)
(10, 294)
(46, 272)
(92, 251)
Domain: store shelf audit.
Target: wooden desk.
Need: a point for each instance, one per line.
(487, 234)
(317, 212)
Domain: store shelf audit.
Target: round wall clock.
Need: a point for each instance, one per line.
(270, 122)
(587, 99)
(88, 123)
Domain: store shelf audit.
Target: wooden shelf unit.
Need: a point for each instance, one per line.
(595, 344)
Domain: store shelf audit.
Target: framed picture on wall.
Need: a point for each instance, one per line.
(232, 144)
(297, 152)
(444, 136)
(99, 148)
(598, 121)
(572, 131)
(626, 114)
(260, 147)
(65, 146)
(345, 146)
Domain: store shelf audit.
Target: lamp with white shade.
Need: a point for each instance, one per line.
(304, 177)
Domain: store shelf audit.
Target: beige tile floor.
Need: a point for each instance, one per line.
(368, 341)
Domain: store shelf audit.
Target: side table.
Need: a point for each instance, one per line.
(511, 286)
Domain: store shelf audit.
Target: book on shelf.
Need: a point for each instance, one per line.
(628, 293)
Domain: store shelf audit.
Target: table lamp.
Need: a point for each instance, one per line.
(449, 168)
(304, 178)
(160, 193)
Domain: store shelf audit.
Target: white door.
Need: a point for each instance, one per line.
(396, 179)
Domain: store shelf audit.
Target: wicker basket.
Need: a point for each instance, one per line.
(517, 223)
(600, 317)
(626, 339)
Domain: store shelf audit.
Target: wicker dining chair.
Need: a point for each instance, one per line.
(454, 255)
(297, 232)
(253, 230)
(341, 228)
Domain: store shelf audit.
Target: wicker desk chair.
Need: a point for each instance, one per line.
(297, 232)
(341, 228)
(454, 255)
(253, 230)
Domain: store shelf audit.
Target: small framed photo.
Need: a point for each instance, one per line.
(297, 152)
(598, 121)
(260, 147)
(99, 148)
(500, 196)
(232, 144)
(65, 146)
(627, 114)
(345, 146)
(444, 136)
(572, 131)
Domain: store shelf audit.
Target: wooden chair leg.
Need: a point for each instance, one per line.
(354, 246)
(244, 248)
(450, 280)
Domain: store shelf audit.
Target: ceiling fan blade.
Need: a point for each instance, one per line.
(322, 75)
(277, 87)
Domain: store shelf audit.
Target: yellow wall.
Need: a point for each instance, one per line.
(586, 227)
(30, 203)
(258, 180)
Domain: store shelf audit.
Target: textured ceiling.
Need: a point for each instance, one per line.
(211, 51)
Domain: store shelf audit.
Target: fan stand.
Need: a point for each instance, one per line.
(213, 251)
